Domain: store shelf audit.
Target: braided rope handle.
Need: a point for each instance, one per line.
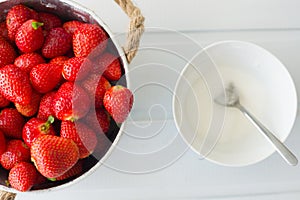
(7, 195)
(136, 28)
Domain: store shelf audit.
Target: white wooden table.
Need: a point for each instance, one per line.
(148, 166)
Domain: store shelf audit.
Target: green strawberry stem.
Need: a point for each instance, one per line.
(52, 179)
(48, 123)
(36, 25)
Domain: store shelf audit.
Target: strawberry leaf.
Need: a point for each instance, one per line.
(48, 123)
(36, 25)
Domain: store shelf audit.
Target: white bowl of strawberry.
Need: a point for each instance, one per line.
(61, 96)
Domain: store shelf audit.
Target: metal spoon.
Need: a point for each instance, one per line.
(231, 99)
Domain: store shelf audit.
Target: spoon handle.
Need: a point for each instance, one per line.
(287, 155)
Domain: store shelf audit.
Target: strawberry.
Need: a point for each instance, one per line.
(118, 102)
(89, 37)
(28, 60)
(29, 37)
(11, 123)
(16, 16)
(60, 60)
(71, 102)
(15, 84)
(76, 170)
(57, 43)
(30, 109)
(22, 176)
(36, 127)
(3, 31)
(96, 87)
(45, 109)
(76, 68)
(49, 20)
(84, 137)
(7, 53)
(72, 26)
(98, 120)
(45, 77)
(3, 101)
(2, 143)
(16, 151)
(110, 66)
(53, 156)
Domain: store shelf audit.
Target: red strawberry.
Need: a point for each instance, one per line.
(98, 120)
(45, 109)
(29, 36)
(89, 37)
(76, 170)
(3, 101)
(71, 102)
(110, 66)
(36, 127)
(45, 77)
(3, 31)
(16, 151)
(60, 60)
(57, 43)
(2, 143)
(34, 14)
(76, 68)
(30, 109)
(96, 86)
(72, 26)
(118, 102)
(28, 60)
(53, 156)
(15, 84)
(22, 176)
(49, 20)
(16, 16)
(84, 137)
(11, 123)
(7, 53)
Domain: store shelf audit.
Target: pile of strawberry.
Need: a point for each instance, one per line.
(58, 95)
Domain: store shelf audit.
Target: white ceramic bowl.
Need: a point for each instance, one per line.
(223, 135)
